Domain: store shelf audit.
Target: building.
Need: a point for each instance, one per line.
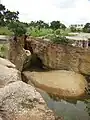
(77, 26)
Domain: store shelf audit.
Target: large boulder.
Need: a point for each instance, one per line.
(8, 72)
(62, 57)
(8, 75)
(18, 55)
(61, 83)
(19, 101)
(7, 63)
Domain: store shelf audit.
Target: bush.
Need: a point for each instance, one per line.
(60, 40)
(57, 32)
(17, 28)
(35, 32)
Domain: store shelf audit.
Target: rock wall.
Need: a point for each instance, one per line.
(57, 56)
(17, 54)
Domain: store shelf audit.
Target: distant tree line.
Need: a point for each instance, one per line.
(85, 29)
(11, 20)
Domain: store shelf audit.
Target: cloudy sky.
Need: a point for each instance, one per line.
(67, 11)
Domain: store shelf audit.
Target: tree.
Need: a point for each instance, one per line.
(10, 16)
(73, 29)
(55, 25)
(32, 24)
(60, 39)
(2, 9)
(17, 28)
(62, 26)
(7, 16)
(86, 28)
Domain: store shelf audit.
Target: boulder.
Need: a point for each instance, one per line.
(8, 75)
(8, 72)
(18, 55)
(60, 82)
(7, 63)
(20, 101)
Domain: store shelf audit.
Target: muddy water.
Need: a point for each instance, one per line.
(68, 109)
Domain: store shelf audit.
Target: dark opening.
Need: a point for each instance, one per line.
(36, 63)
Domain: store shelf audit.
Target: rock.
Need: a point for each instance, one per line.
(7, 63)
(18, 55)
(27, 61)
(60, 57)
(8, 75)
(61, 83)
(19, 101)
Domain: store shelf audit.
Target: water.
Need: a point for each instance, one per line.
(68, 110)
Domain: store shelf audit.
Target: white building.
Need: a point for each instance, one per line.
(77, 26)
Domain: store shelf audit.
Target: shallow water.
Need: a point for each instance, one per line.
(71, 110)
(68, 109)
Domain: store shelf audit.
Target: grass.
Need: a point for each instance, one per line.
(5, 31)
(35, 32)
(4, 50)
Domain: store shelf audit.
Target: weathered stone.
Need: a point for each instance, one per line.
(63, 57)
(61, 83)
(8, 75)
(18, 55)
(7, 63)
(19, 101)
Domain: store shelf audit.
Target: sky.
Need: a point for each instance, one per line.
(66, 11)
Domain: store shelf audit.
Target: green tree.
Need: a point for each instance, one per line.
(17, 28)
(55, 25)
(62, 26)
(10, 16)
(40, 24)
(73, 29)
(2, 9)
(86, 28)
(32, 24)
(7, 16)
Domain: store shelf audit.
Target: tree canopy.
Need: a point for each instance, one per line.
(10, 19)
(87, 28)
(57, 25)
(7, 16)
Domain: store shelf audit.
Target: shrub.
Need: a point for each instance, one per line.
(17, 28)
(60, 40)
(35, 32)
(57, 32)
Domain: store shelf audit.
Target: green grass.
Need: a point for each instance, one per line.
(5, 31)
(35, 32)
(4, 50)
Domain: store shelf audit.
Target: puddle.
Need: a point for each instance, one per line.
(68, 109)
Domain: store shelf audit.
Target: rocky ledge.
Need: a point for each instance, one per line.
(18, 100)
